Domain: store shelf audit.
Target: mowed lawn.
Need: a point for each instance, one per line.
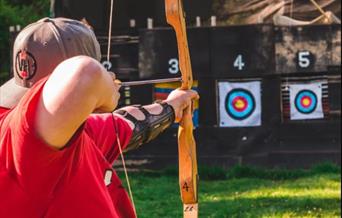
(269, 194)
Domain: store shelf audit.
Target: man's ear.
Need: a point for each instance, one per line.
(85, 22)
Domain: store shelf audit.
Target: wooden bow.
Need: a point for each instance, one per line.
(188, 174)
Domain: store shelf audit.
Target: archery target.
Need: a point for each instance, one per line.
(240, 104)
(306, 101)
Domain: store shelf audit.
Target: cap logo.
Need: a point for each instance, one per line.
(25, 65)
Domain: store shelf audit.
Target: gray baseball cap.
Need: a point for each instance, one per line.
(40, 47)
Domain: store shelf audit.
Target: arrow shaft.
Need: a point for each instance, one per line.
(146, 82)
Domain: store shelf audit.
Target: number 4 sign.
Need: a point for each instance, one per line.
(239, 62)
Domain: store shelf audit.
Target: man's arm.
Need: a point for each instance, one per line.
(147, 122)
(76, 88)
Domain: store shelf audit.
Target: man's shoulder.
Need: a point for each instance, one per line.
(18, 121)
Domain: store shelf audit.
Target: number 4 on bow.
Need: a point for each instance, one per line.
(188, 174)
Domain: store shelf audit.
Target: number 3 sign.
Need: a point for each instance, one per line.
(173, 66)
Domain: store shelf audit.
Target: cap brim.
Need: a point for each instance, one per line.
(11, 93)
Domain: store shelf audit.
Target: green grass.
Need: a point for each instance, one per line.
(311, 193)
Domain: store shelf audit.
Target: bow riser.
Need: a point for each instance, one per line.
(188, 174)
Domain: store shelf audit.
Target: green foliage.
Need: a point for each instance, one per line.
(275, 174)
(281, 174)
(326, 168)
(212, 173)
(17, 14)
(205, 173)
(238, 172)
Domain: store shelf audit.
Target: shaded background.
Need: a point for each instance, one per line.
(140, 53)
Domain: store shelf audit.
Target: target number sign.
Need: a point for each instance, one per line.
(305, 59)
(240, 104)
(239, 62)
(173, 66)
(306, 101)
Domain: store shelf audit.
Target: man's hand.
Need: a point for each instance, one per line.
(111, 102)
(180, 100)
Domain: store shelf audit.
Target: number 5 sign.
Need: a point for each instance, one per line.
(305, 60)
(302, 49)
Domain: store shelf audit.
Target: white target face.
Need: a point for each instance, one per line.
(306, 101)
(240, 104)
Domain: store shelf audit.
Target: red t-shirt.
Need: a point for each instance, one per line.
(3, 110)
(77, 181)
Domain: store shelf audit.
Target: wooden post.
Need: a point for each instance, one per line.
(198, 21)
(213, 21)
(132, 23)
(149, 23)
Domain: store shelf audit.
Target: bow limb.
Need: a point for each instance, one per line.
(188, 174)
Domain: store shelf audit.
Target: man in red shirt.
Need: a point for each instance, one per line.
(58, 134)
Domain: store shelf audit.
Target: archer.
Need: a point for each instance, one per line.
(59, 135)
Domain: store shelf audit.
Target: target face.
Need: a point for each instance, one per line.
(306, 101)
(240, 104)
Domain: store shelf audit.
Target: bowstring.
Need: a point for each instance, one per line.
(123, 162)
(114, 122)
(110, 29)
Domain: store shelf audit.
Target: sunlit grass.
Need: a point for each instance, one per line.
(318, 195)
